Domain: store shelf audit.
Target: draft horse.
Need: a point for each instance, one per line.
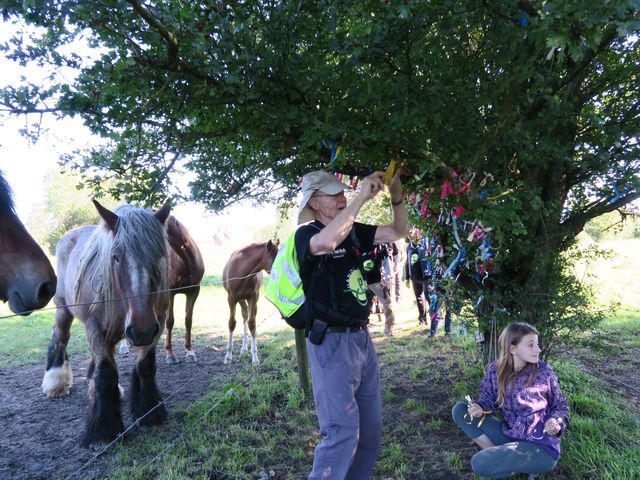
(113, 277)
(186, 269)
(27, 279)
(241, 278)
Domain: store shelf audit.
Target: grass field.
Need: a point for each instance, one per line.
(257, 423)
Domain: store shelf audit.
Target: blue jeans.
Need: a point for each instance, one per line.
(346, 389)
(508, 456)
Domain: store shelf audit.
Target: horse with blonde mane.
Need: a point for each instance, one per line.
(114, 278)
(186, 269)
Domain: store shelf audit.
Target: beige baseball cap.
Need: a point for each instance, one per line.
(311, 183)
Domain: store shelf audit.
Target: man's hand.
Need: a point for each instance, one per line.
(395, 186)
(372, 184)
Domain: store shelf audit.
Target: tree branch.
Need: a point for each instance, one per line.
(169, 37)
(589, 56)
(576, 222)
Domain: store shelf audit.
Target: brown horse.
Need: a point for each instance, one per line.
(114, 278)
(241, 279)
(186, 270)
(27, 280)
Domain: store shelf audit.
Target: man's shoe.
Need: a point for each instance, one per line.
(388, 331)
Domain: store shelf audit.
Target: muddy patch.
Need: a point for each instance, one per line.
(40, 436)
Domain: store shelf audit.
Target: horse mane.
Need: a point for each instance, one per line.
(176, 229)
(138, 233)
(7, 207)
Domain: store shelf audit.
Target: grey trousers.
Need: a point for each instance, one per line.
(346, 389)
(385, 299)
(507, 456)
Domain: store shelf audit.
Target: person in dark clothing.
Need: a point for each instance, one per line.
(378, 286)
(342, 359)
(436, 308)
(418, 272)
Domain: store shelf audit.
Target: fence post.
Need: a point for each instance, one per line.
(303, 363)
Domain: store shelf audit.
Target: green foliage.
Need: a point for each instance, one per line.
(393, 459)
(540, 99)
(613, 225)
(67, 205)
(603, 431)
(573, 307)
(376, 211)
(455, 462)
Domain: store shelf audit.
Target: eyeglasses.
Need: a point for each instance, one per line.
(335, 195)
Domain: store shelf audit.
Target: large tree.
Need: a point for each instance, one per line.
(540, 98)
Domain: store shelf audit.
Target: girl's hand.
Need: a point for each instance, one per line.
(475, 410)
(553, 426)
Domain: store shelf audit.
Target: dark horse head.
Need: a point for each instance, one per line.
(27, 279)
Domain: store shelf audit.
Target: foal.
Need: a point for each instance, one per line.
(241, 278)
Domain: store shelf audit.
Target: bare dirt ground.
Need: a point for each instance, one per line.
(40, 436)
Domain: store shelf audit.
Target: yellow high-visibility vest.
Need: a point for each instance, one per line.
(284, 289)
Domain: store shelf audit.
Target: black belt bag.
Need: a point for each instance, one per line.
(317, 332)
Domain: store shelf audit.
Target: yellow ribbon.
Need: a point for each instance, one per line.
(468, 419)
(390, 171)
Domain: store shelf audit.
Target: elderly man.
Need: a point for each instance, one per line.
(344, 367)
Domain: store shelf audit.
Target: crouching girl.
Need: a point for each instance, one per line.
(521, 412)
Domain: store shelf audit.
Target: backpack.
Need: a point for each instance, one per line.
(285, 290)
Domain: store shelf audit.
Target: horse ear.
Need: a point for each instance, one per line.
(163, 213)
(110, 218)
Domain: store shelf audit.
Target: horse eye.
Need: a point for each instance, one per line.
(115, 259)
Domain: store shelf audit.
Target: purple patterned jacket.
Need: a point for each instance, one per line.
(526, 409)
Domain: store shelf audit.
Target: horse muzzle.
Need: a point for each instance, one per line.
(24, 299)
(140, 337)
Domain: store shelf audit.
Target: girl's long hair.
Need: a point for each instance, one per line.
(511, 335)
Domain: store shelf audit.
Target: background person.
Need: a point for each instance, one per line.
(525, 393)
(416, 273)
(399, 250)
(342, 359)
(379, 286)
(436, 308)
